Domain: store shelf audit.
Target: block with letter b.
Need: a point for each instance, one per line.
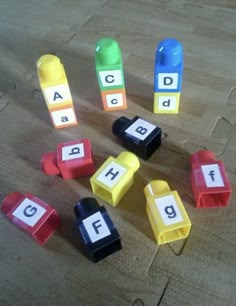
(168, 66)
(56, 91)
(166, 102)
(72, 159)
(31, 214)
(166, 213)
(137, 135)
(210, 183)
(96, 228)
(115, 177)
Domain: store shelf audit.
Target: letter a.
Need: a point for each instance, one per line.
(56, 96)
(64, 119)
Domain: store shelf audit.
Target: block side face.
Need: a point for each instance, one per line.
(63, 117)
(168, 79)
(110, 77)
(153, 224)
(114, 99)
(166, 103)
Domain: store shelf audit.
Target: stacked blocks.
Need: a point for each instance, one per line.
(168, 76)
(137, 135)
(35, 217)
(166, 213)
(210, 184)
(110, 74)
(96, 228)
(72, 159)
(115, 177)
(56, 91)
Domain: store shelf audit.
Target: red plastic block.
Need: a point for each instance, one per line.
(72, 159)
(210, 184)
(34, 216)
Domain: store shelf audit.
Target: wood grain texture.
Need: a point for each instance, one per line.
(198, 271)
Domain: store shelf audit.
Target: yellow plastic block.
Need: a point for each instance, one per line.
(166, 102)
(53, 82)
(114, 178)
(166, 213)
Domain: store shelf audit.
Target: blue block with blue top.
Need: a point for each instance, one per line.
(168, 66)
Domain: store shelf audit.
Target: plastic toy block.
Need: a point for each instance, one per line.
(115, 177)
(63, 117)
(72, 159)
(114, 99)
(35, 217)
(166, 102)
(168, 66)
(166, 213)
(210, 183)
(54, 84)
(108, 61)
(97, 230)
(137, 135)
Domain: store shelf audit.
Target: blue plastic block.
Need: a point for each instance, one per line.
(168, 66)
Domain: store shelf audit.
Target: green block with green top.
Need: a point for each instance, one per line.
(109, 66)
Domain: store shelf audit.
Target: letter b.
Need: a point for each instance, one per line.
(141, 130)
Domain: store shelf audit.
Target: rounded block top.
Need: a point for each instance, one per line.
(10, 200)
(49, 67)
(84, 206)
(156, 187)
(202, 156)
(119, 125)
(49, 163)
(129, 159)
(107, 51)
(169, 52)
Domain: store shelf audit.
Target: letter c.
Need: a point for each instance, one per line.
(109, 78)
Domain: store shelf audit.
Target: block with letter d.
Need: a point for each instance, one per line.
(56, 91)
(137, 135)
(115, 177)
(166, 213)
(96, 228)
(110, 75)
(72, 159)
(31, 214)
(168, 76)
(210, 184)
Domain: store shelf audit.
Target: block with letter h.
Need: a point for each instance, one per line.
(210, 183)
(35, 217)
(72, 159)
(166, 213)
(96, 228)
(56, 91)
(138, 135)
(115, 177)
(168, 76)
(109, 69)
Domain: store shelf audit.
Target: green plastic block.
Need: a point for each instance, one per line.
(108, 63)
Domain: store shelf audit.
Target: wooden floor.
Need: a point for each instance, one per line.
(199, 271)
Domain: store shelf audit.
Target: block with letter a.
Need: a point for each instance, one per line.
(114, 178)
(31, 214)
(210, 183)
(72, 159)
(166, 213)
(96, 228)
(56, 91)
